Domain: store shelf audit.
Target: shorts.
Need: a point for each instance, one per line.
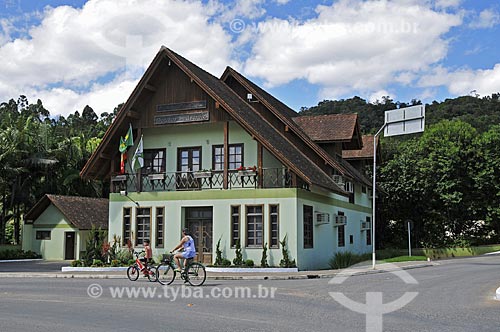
(188, 255)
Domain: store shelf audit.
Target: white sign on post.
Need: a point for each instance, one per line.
(406, 120)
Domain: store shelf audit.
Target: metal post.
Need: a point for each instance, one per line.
(409, 239)
(374, 192)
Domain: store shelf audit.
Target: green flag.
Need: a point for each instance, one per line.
(127, 141)
(138, 159)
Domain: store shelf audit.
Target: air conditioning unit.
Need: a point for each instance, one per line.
(349, 187)
(365, 225)
(338, 179)
(340, 220)
(321, 218)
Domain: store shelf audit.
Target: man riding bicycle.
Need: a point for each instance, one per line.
(187, 243)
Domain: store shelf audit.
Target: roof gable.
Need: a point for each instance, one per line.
(329, 128)
(287, 116)
(237, 108)
(81, 212)
(365, 153)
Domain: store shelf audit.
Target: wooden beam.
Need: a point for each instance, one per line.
(217, 105)
(150, 88)
(259, 163)
(133, 114)
(226, 155)
(103, 155)
(287, 129)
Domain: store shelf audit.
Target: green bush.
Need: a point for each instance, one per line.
(226, 262)
(124, 256)
(342, 260)
(249, 263)
(218, 254)
(238, 260)
(263, 260)
(97, 263)
(75, 263)
(131, 262)
(285, 261)
(18, 254)
(115, 262)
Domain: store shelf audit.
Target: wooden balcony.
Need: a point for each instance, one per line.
(189, 181)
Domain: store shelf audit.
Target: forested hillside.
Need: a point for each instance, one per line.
(41, 154)
(446, 180)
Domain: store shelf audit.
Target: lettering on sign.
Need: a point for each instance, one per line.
(182, 118)
(193, 105)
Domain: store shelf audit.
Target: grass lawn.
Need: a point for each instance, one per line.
(404, 259)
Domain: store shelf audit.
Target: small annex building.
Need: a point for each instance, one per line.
(56, 227)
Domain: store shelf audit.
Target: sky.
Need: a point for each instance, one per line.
(72, 53)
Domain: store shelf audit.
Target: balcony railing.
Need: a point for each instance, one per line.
(203, 180)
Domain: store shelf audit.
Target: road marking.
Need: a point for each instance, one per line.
(497, 297)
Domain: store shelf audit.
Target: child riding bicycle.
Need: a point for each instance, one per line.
(148, 256)
(187, 243)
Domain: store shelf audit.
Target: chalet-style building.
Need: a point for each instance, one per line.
(231, 162)
(57, 227)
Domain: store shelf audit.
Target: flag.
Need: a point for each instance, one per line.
(138, 159)
(122, 163)
(127, 141)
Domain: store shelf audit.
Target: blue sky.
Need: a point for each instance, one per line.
(73, 53)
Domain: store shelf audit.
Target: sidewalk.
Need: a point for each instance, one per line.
(357, 270)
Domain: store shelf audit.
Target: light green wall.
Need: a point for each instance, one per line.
(290, 201)
(51, 220)
(204, 135)
(325, 236)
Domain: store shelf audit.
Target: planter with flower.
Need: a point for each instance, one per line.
(203, 174)
(247, 171)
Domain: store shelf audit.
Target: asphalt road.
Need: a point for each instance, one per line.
(454, 296)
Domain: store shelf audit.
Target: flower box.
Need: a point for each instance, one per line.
(247, 172)
(202, 174)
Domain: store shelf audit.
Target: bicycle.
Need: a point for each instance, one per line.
(194, 273)
(138, 267)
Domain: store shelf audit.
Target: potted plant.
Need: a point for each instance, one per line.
(247, 171)
(203, 174)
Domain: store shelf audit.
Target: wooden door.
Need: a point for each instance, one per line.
(69, 250)
(200, 224)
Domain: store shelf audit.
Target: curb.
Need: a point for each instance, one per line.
(222, 277)
(20, 260)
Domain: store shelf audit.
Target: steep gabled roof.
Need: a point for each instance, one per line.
(273, 140)
(329, 127)
(81, 212)
(365, 153)
(287, 116)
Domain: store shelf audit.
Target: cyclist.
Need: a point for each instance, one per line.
(148, 256)
(187, 243)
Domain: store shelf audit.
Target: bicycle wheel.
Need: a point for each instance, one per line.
(133, 273)
(152, 273)
(196, 274)
(165, 274)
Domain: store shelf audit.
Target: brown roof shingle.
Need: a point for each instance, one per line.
(328, 128)
(82, 212)
(365, 153)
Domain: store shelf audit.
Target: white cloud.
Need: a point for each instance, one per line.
(352, 46)
(240, 9)
(488, 18)
(101, 97)
(76, 47)
(463, 81)
(447, 3)
(282, 2)
(377, 96)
